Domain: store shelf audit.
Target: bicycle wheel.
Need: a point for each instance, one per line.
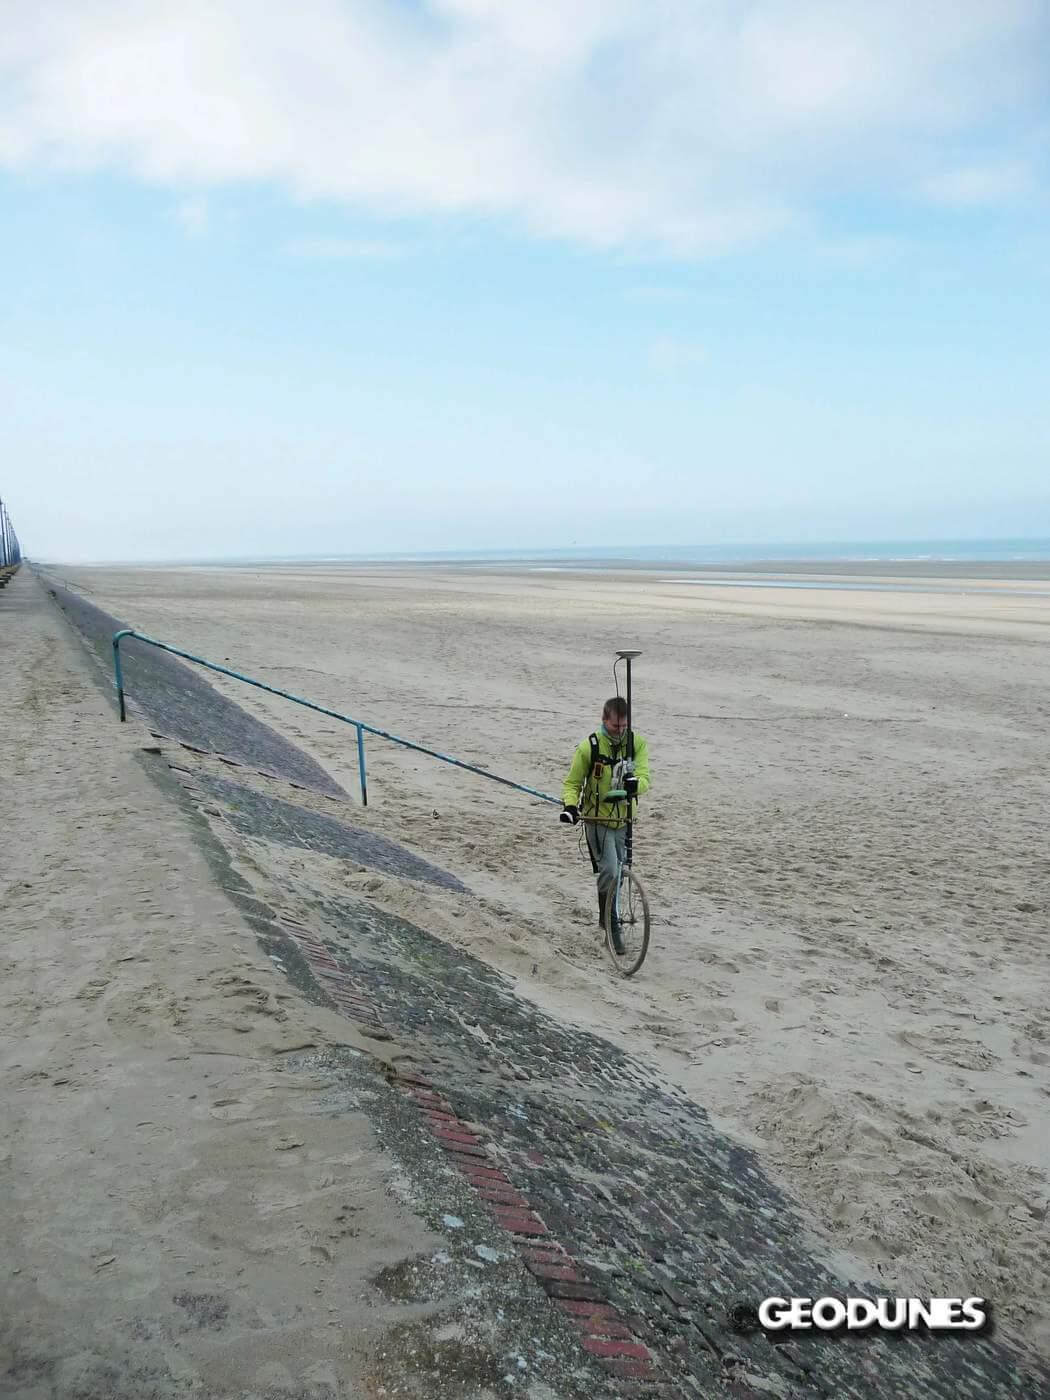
(633, 908)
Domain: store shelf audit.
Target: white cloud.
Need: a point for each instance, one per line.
(665, 124)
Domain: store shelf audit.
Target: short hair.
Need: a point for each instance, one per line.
(615, 705)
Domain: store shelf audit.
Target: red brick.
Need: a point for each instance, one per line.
(623, 1366)
(588, 1309)
(576, 1292)
(467, 1150)
(481, 1182)
(562, 1271)
(598, 1327)
(526, 1227)
(473, 1162)
(453, 1125)
(499, 1195)
(471, 1157)
(475, 1168)
(455, 1130)
(519, 1222)
(547, 1253)
(634, 1350)
(513, 1212)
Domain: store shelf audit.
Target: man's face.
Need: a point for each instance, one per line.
(615, 725)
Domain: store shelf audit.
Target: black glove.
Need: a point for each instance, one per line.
(569, 814)
(631, 787)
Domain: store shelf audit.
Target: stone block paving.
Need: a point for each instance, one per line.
(178, 702)
(273, 819)
(653, 1233)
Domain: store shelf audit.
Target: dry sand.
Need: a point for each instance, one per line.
(181, 1208)
(845, 847)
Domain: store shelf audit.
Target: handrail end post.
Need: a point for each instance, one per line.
(361, 765)
(125, 632)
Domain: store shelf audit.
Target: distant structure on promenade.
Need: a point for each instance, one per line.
(10, 551)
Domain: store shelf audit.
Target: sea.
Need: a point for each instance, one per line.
(829, 551)
(761, 564)
(884, 554)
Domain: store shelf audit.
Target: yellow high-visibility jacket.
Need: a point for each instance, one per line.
(586, 789)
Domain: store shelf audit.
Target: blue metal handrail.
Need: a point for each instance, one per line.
(362, 728)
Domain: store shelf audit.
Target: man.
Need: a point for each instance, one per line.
(602, 763)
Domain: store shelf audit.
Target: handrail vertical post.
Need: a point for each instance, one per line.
(361, 765)
(118, 674)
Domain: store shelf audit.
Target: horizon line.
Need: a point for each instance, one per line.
(665, 551)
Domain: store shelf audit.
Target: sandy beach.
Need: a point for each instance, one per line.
(176, 1142)
(844, 846)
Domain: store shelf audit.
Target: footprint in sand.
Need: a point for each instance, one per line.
(984, 1119)
(942, 1044)
(658, 1029)
(231, 1110)
(91, 991)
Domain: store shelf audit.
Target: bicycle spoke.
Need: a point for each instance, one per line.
(633, 913)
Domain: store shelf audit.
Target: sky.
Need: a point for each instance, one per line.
(395, 275)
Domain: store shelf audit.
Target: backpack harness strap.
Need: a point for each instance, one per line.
(598, 759)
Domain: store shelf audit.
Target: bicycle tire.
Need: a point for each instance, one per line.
(633, 906)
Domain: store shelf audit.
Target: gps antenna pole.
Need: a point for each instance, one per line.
(629, 656)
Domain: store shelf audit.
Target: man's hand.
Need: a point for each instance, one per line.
(631, 787)
(570, 814)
